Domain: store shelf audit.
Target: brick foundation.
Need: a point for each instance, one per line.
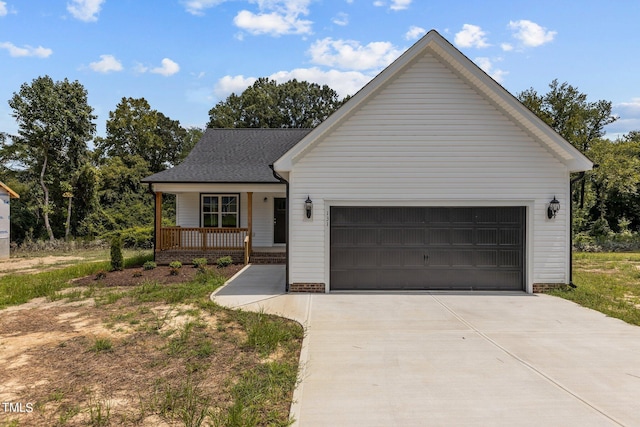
(268, 258)
(186, 257)
(317, 288)
(539, 288)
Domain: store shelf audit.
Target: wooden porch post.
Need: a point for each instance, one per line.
(250, 219)
(158, 223)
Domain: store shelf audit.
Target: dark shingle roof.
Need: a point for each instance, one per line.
(233, 155)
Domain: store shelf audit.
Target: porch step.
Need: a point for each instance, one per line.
(268, 258)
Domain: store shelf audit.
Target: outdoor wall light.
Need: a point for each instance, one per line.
(308, 207)
(265, 200)
(553, 208)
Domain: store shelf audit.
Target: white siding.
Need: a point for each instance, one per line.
(427, 138)
(263, 218)
(188, 209)
(188, 213)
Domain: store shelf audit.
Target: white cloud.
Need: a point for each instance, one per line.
(341, 19)
(628, 119)
(197, 7)
(140, 68)
(168, 68)
(350, 54)
(15, 51)
(400, 4)
(414, 33)
(3, 8)
(530, 33)
(632, 106)
(395, 4)
(343, 82)
(272, 23)
(471, 36)
(276, 18)
(107, 64)
(487, 66)
(232, 84)
(507, 47)
(85, 10)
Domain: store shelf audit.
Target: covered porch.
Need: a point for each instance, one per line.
(213, 221)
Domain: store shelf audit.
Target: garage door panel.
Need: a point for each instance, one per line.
(486, 216)
(485, 258)
(438, 236)
(401, 257)
(510, 236)
(427, 248)
(462, 236)
(509, 259)
(408, 236)
(460, 215)
(487, 236)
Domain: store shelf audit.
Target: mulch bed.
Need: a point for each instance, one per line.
(161, 274)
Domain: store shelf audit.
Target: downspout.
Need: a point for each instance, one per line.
(277, 176)
(571, 182)
(155, 231)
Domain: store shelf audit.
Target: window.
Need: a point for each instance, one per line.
(219, 211)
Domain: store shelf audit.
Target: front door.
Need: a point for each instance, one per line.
(279, 220)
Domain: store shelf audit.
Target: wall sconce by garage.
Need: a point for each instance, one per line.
(308, 207)
(553, 208)
(265, 200)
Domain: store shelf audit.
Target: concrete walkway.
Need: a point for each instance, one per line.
(443, 359)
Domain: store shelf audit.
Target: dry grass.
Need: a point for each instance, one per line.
(150, 355)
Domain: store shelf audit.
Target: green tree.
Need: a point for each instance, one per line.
(191, 139)
(55, 122)
(616, 181)
(267, 104)
(568, 112)
(134, 129)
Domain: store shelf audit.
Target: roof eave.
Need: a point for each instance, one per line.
(12, 194)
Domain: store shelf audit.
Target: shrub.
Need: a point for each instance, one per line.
(117, 259)
(101, 274)
(199, 262)
(149, 265)
(174, 266)
(224, 261)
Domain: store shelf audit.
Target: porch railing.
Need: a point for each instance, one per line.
(197, 238)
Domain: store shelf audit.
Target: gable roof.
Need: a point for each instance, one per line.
(435, 44)
(12, 194)
(232, 156)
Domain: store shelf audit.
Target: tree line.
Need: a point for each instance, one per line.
(75, 184)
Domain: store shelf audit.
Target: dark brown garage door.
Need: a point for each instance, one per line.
(395, 248)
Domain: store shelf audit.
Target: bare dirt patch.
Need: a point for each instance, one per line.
(31, 265)
(122, 363)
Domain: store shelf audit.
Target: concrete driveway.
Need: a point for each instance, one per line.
(444, 359)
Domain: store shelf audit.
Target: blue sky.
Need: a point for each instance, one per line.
(184, 56)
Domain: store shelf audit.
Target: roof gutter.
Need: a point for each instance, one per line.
(277, 176)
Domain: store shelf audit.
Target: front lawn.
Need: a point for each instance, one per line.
(607, 282)
(140, 354)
